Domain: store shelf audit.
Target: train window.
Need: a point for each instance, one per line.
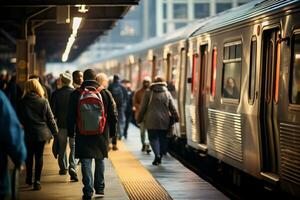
(295, 76)
(194, 68)
(232, 70)
(252, 70)
(213, 72)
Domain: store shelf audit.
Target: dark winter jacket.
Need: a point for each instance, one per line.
(37, 118)
(119, 93)
(156, 107)
(92, 146)
(11, 143)
(59, 104)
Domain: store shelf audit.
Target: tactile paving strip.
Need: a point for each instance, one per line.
(138, 182)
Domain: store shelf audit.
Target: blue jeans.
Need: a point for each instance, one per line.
(87, 176)
(62, 137)
(158, 141)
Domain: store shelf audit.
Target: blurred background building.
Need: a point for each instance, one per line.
(153, 18)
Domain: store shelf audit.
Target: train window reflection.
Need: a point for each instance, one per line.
(251, 90)
(295, 76)
(232, 70)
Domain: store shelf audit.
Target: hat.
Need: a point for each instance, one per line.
(66, 79)
(116, 78)
(147, 78)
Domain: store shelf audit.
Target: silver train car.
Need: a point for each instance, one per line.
(236, 81)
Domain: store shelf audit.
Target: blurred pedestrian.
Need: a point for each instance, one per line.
(91, 139)
(102, 79)
(59, 104)
(12, 144)
(128, 109)
(137, 100)
(13, 91)
(119, 94)
(157, 108)
(47, 89)
(77, 78)
(38, 121)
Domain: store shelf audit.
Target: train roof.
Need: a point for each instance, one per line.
(235, 15)
(245, 12)
(177, 35)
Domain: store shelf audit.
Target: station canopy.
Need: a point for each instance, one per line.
(46, 19)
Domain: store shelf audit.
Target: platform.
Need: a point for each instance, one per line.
(129, 174)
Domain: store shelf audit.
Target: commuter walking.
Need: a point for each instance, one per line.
(59, 104)
(38, 121)
(137, 100)
(128, 110)
(157, 108)
(102, 79)
(77, 78)
(12, 143)
(119, 93)
(93, 119)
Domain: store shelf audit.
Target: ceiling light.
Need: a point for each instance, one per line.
(82, 8)
(76, 23)
(71, 40)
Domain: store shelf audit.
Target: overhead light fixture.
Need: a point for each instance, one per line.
(82, 8)
(71, 40)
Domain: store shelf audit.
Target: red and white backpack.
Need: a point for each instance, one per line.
(91, 116)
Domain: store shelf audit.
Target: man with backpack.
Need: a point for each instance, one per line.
(92, 119)
(119, 93)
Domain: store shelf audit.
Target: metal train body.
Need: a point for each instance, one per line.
(258, 46)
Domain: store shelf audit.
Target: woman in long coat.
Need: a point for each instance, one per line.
(39, 125)
(156, 109)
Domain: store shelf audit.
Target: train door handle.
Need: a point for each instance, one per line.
(256, 94)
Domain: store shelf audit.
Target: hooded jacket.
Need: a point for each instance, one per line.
(156, 106)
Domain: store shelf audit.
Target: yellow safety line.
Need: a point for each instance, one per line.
(137, 181)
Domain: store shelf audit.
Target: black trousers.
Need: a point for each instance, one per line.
(36, 149)
(127, 121)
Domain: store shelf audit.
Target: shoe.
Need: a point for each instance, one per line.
(63, 172)
(115, 148)
(37, 185)
(143, 148)
(159, 160)
(28, 181)
(147, 148)
(86, 197)
(73, 175)
(156, 161)
(99, 193)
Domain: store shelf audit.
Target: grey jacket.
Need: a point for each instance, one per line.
(156, 106)
(37, 118)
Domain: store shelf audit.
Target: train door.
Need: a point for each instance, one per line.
(268, 109)
(181, 88)
(289, 120)
(201, 100)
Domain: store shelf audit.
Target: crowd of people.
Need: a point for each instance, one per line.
(85, 110)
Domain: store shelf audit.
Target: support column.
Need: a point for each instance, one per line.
(32, 55)
(22, 61)
(41, 63)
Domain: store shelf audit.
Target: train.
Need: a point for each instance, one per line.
(236, 84)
